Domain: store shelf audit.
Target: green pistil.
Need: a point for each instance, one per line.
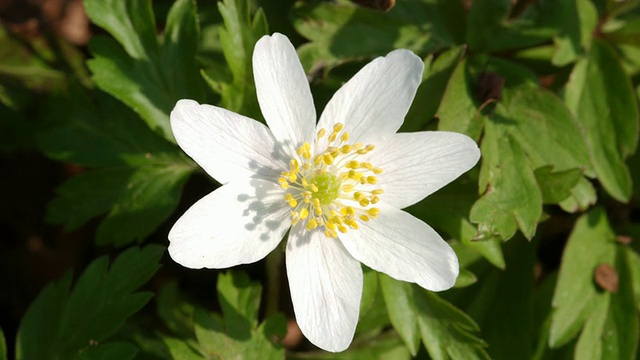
(328, 188)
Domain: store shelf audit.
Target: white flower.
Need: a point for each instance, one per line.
(337, 186)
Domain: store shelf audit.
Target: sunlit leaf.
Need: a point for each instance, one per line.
(236, 334)
(342, 31)
(580, 303)
(446, 331)
(241, 31)
(597, 85)
(147, 76)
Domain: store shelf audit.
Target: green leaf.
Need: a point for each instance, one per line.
(493, 26)
(529, 128)
(383, 347)
(143, 74)
(180, 349)
(465, 278)
(342, 31)
(237, 38)
(621, 330)
(150, 196)
(447, 211)
(446, 331)
(634, 268)
(503, 305)
(236, 335)
(576, 32)
(576, 296)
(3, 346)
(176, 313)
(607, 321)
(597, 85)
(93, 129)
(398, 296)
(429, 95)
(556, 186)
(373, 316)
(63, 324)
(139, 177)
(458, 111)
(511, 198)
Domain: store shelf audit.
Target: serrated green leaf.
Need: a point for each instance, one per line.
(239, 298)
(139, 177)
(236, 335)
(146, 76)
(42, 320)
(342, 31)
(122, 19)
(597, 85)
(447, 332)
(93, 129)
(511, 198)
(529, 128)
(63, 325)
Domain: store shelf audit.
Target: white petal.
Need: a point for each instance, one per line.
(326, 287)
(283, 91)
(373, 104)
(239, 223)
(418, 164)
(405, 248)
(226, 145)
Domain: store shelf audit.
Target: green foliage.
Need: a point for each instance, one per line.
(3, 346)
(548, 89)
(138, 177)
(598, 84)
(73, 324)
(146, 74)
(342, 31)
(236, 334)
(446, 331)
(238, 36)
(582, 305)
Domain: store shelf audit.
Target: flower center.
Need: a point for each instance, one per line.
(328, 188)
(332, 189)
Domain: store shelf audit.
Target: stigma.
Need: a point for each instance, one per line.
(332, 190)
